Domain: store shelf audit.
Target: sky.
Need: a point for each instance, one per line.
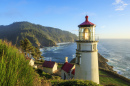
(112, 17)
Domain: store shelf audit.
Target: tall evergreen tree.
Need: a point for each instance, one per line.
(37, 53)
(26, 46)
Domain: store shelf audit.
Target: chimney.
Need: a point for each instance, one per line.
(66, 59)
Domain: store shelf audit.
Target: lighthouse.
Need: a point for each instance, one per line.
(86, 64)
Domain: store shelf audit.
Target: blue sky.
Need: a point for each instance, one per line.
(112, 17)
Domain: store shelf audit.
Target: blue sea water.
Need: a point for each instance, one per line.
(117, 51)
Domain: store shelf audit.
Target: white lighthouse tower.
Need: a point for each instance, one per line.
(86, 53)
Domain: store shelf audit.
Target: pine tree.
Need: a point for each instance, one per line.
(37, 53)
(26, 46)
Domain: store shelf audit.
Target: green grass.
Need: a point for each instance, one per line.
(73, 83)
(107, 79)
(60, 65)
(14, 68)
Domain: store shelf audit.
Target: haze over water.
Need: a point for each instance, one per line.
(117, 51)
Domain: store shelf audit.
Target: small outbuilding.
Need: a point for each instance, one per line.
(67, 70)
(31, 62)
(50, 67)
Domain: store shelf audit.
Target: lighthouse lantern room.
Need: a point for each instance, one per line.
(86, 64)
(87, 30)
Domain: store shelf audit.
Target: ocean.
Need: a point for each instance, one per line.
(117, 51)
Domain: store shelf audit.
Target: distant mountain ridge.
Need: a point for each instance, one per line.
(37, 34)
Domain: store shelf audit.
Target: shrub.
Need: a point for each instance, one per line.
(73, 83)
(14, 68)
(47, 75)
(42, 60)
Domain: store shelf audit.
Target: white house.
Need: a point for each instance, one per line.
(67, 70)
(31, 62)
(50, 67)
(86, 66)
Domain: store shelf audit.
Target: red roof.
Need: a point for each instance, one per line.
(86, 23)
(73, 72)
(48, 64)
(67, 67)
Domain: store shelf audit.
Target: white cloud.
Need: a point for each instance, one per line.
(120, 5)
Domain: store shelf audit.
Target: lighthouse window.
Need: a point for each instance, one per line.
(79, 46)
(78, 60)
(94, 47)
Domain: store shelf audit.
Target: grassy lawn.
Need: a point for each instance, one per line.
(60, 65)
(107, 79)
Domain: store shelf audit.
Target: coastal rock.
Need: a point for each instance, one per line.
(102, 62)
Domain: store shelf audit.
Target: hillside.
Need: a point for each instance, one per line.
(37, 34)
(14, 67)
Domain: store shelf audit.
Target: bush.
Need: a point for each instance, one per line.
(42, 60)
(74, 83)
(111, 85)
(47, 75)
(14, 68)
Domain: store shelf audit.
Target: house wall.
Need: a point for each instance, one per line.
(71, 75)
(31, 62)
(47, 70)
(50, 70)
(62, 74)
(55, 67)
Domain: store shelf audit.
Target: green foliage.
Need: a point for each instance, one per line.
(60, 65)
(27, 47)
(47, 75)
(37, 54)
(42, 60)
(73, 83)
(37, 34)
(14, 68)
(43, 74)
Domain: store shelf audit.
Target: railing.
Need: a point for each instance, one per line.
(88, 37)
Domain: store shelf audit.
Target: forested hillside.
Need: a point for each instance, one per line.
(37, 34)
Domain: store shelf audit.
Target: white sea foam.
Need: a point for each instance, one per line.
(118, 54)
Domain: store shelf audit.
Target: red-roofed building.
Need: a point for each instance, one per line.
(49, 66)
(73, 72)
(66, 70)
